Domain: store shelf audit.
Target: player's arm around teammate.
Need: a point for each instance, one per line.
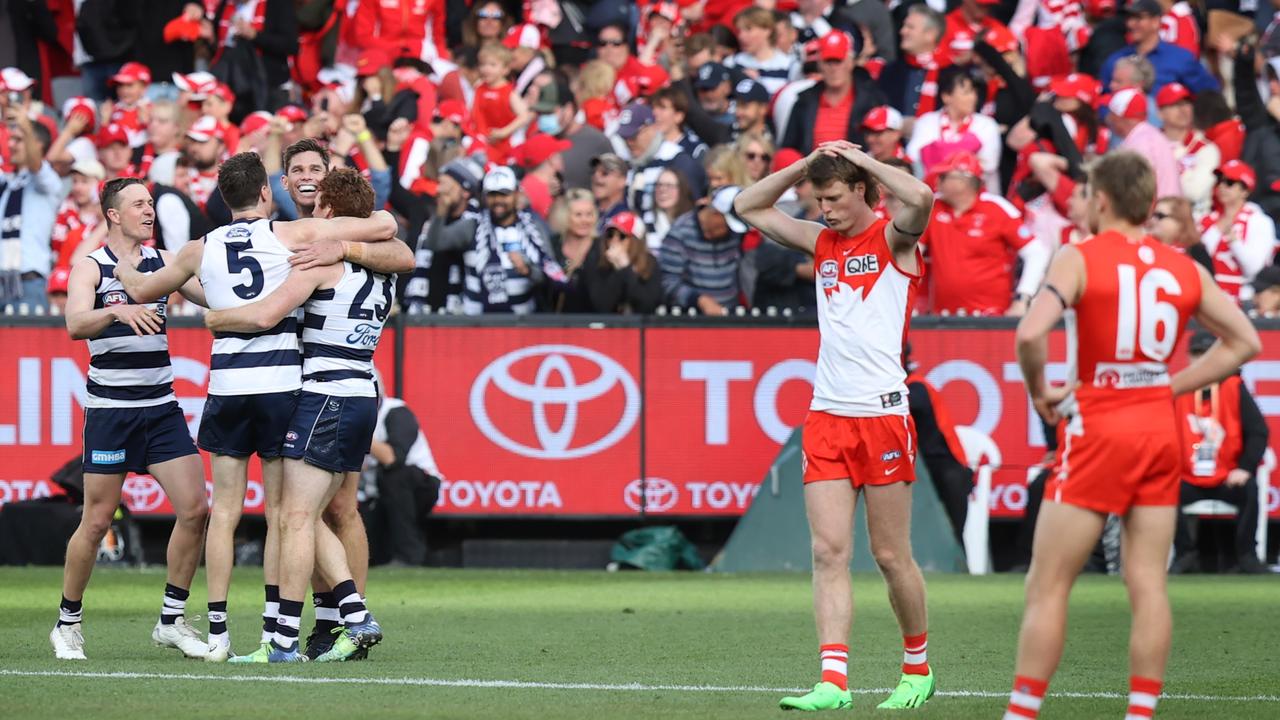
(84, 322)
(370, 242)
(276, 306)
(181, 273)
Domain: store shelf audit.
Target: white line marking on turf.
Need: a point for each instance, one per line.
(624, 687)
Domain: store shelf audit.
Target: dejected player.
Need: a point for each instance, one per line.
(1132, 297)
(858, 435)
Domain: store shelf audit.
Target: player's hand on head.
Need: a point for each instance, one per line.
(317, 254)
(141, 318)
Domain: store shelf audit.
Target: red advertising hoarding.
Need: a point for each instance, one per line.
(528, 421)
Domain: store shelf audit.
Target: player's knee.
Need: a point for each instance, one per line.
(889, 560)
(340, 514)
(829, 553)
(95, 524)
(192, 515)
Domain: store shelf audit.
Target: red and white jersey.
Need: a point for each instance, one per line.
(1137, 299)
(68, 220)
(126, 116)
(1178, 27)
(972, 255)
(1186, 151)
(864, 308)
(201, 186)
(1247, 248)
(1068, 17)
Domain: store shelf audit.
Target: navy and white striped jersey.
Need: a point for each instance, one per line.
(127, 370)
(244, 262)
(780, 69)
(340, 331)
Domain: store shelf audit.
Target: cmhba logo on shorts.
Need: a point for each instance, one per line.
(106, 457)
(113, 298)
(891, 455)
(862, 265)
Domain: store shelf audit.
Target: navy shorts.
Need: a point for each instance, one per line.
(121, 440)
(241, 425)
(331, 432)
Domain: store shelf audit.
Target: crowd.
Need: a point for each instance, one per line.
(583, 157)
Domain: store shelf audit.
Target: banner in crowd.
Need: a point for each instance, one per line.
(584, 422)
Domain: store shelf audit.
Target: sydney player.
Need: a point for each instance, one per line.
(1131, 297)
(332, 427)
(132, 422)
(858, 436)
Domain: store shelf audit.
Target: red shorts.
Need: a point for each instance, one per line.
(866, 450)
(1110, 465)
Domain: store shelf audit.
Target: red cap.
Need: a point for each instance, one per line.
(1128, 103)
(882, 118)
(58, 280)
(961, 41)
(1172, 93)
(1100, 8)
(84, 106)
(197, 84)
(626, 223)
(961, 162)
(539, 148)
(455, 111)
(255, 122)
(204, 129)
(1076, 85)
(113, 133)
(526, 35)
(292, 113)
(835, 45)
(785, 158)
(371, 61)
(224, 91)
(1239, 171)
(988, 2)
(1002, 39)
(131, 72)
(651, 78)
(668, 10)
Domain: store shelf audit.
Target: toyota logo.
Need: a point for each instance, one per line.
(142, 494)
(659, 495)
(568, 394)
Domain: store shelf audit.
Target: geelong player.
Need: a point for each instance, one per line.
(1131, 297)
(332, 428)
(254, 377)
(132, 422)
(858, 435)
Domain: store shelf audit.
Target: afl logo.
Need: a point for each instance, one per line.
(115, 297)
(651, 495)
(828, 272)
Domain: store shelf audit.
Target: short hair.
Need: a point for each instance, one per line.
(698, 42)
(1129, 181)
(753, 16)
(43, 137)
(241, 179)
(111, 190)
(726, 160)
(935, 18)
(951, 78)
(346, 193)
(1143, 71)
(618, 25)
(826, 169)
(304, 145)
(724, 37)
(671, 94)
(596, 80)
(495, 50)
(166, 107)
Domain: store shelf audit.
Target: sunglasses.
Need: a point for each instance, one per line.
(754, 157)
(614, 234)
(490, 15)
(611, 43)
(1229, 183)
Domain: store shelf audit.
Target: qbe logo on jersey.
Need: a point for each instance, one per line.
(555, 402)
(862, 265)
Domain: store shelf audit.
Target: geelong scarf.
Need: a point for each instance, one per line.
(11, 190)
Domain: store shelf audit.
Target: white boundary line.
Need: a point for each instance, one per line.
(624, 687)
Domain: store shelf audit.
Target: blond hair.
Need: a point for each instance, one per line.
(596, 79)
(725, 160)
(558, 217)
(1128, 181)
(495, 50)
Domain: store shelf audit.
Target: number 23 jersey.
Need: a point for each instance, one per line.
(341, 329)
(242, 263)
(1137, 299)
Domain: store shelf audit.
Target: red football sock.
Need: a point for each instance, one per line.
(1024, 701)
(835, 665)
(1143, 693)
(915, 656)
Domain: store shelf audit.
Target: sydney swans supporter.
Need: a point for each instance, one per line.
(1239, 236)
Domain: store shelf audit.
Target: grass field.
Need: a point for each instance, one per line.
(470, 644)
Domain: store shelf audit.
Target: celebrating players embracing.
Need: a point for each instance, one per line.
(1131, 297)
(858, 435)
(332, 428)
(132, 422)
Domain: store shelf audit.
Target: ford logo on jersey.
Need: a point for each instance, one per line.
(364, 334)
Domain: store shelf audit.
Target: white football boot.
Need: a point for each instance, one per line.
(219, 648)
(181, 636)
(68, 643)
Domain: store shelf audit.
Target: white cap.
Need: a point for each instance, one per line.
(15, 80)
(722, 201)
(204, 129)
(501, 179)
(90, 168)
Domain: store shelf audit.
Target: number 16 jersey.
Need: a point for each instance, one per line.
(244, 262)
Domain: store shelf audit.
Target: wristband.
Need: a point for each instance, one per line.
(353, 251)
(364, 136)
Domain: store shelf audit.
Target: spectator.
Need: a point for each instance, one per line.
(700, 256)
(751, 109)
(217, 105)
(525, 41)
(407, 479)
(725, 166)
(650, 154)
(757, 151)
(670, 108)
(671, 198)
(573, 220)
(613, 48)
(114, 151)
(1197, 158)
(164, 134)
(815, 18)
(205, 151)
(76, 140)
(1173, 223)
(620, 275)
(608, 186)
(508, 261)
(971, 239)
(402, 27)
(784, 276)
(268, 30)
(540, 156)
(558, 116)
(912, 80)
(714, 88)
(833, 107)
(1239, 236)
(1261, 148)
(488, 22)
(957, 127)
(1127, 113)
(1179, 26)
(79, 216)
(1266, 291)
(882, 131)
(499, 114)
(972, 19)
(1224, 436)
(596, 81)
(105, 37)
(1171, 63)
(131, 106)
(759, 58)
(437, 279)
(29, 197)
